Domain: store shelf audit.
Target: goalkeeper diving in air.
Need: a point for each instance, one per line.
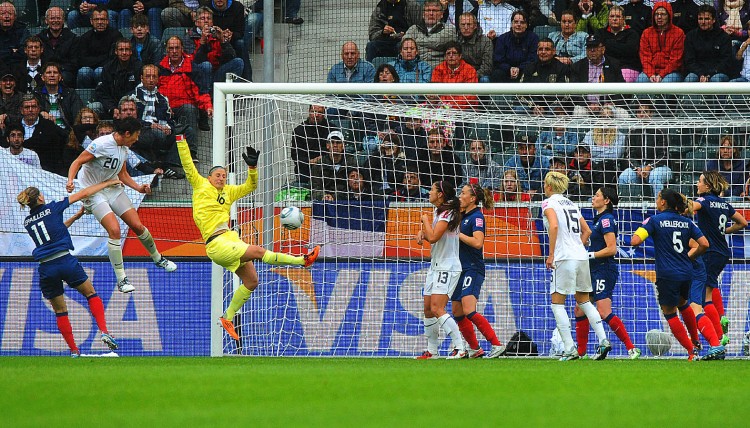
(212, 201)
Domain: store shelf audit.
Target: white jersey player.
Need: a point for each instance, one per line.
(104, 159)
(445, 268)
(568, 260)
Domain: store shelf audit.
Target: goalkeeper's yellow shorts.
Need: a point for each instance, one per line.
(226, 250)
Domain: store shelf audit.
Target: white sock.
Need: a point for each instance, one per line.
(431, 331)
(449, 326)
(594, 319)
(114, 249)
(563, 325)
(148, 243)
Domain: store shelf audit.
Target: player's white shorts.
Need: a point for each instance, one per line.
(440, 282)
(107, 200)
(571, 276)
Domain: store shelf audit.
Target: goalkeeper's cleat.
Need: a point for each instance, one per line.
(602, 350)
(457, 354)
(716, 353)
(75, 354)
(724, 340)
(570, 355)
(496, 351)
(109, 341)
(229, 327)
(167, 265)
(124, 286)
(312, 256)
(634, 353)
(426, 355)
(476, 353)
(724, 324)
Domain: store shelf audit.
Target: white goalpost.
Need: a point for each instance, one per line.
(362, 297)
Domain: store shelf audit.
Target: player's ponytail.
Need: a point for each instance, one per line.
(674, 199)
(688, 207)
(450, 203)
(611, 194)
(483, 196)
(29, 197)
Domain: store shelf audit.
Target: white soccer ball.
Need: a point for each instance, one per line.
(658, 342)
(292, 218)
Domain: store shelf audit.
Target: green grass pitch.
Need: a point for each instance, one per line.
(356, 392)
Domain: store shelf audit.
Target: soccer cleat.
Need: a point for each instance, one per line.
(570, 355)
(426, 355)
(229, 327)
(476, 353)
(602, 350)
(125, 286)
(109, 341)
(716, 353)
(694, 357)
(724, 340)
(312, 256)
(167, 265)
(457, 354)
(75, 354)
(496, 351)
(634, 353)
(724, 324)
(584, 357)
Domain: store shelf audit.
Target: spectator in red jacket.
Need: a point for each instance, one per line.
(455, 70)
(662, 47)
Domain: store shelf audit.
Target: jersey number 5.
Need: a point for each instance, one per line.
(677, 242)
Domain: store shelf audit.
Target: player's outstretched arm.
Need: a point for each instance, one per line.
(83, 158)
(251, 183)
(88, 191)
(191, 172)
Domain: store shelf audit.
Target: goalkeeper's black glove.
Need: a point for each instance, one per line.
(251, 157)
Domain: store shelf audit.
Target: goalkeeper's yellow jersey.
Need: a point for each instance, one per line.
(210, 205)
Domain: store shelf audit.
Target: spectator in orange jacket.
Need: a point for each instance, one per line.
(662, 47)
(455, 70)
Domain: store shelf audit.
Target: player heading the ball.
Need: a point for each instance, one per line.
(212, 202)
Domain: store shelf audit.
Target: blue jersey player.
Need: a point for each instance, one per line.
(713, 214)
(604, 271)
(49, 232)
(671, 233)
(464, 299)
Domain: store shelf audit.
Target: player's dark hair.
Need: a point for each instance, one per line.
(611, 194)
(29, 197)
(450, 203)
(674, 199)
(482, 195)
(129, 124)
(715, 181)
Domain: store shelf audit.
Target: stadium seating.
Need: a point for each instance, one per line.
(543, 31)
(377, 62)
(182, 33)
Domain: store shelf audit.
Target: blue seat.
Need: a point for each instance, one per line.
(182, 33)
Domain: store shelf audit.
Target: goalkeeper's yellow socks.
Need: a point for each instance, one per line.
(281, 259)
(238, 299)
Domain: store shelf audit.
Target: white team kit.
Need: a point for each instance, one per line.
(571, 273)
(445, 266)
(108, 161)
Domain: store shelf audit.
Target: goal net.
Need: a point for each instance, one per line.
(359, 161)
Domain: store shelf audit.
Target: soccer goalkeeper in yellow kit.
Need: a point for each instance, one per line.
(212, 201)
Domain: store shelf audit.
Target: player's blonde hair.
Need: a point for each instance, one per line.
(716, 182)
(557, 181)
(29, 197)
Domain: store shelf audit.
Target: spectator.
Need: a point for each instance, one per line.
(308, 141)
(531, 168)
(29, 74)
(291, 12)
(385, 165)
(120, 76)
(431, 34)
(386, 73)
(648, 156)
(662, 47)
(10, 98)
(733, 16)
(514, 50)
(82, 133)
(637, 15)
(685, 15)
(59, 44)
(592, 16)
(151, 9)
(581, 167)
(82, 12)
(413, 137)
(179, 13)
(439, 162)
(708, 50)
(229, 17)
(351, 69)
(454, 9)
(41, 135)
(570, 44)
(94, 49)
(147, 48)
(58, 103)
(12, 35)
(595, 68)
(744, 56)
(605, 142)
(214, 55)
(388, 24)
(558, 142)
(480, 166)
(731, 165)
(328, 174)
(16, 148)
(532, 10)
(477, 49)
(254, 23)
(622, 43)
(411, 189)
(455, 70)
(177, 84)
(511, 190)
(358, 188)
(578, 188)
(545, 69)
(495, 18)
(409, 67)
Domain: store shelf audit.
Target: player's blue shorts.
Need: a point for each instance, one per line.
(672, 292)
(715, 264)
(469, 284)
(698, 285)
(603, 279)
(54, 272)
